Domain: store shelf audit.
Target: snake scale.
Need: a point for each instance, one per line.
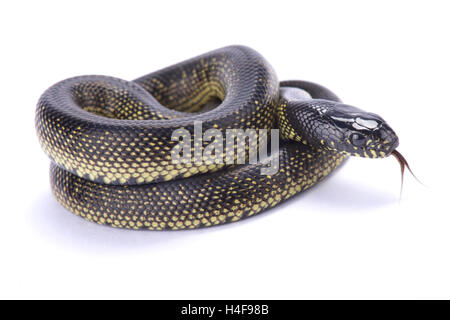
(111, 143)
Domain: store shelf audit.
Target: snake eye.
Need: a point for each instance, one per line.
(357, 139)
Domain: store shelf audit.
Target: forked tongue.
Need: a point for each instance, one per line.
(403, 163)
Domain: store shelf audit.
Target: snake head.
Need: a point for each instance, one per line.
(337, 126)
(359, 133)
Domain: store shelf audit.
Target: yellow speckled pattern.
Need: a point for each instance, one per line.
(110, 141)
(199, 201)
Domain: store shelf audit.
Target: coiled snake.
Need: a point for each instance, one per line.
(111, 142)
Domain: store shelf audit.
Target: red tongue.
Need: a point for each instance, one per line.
(403, 163)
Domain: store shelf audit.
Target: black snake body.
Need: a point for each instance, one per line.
(110, 141)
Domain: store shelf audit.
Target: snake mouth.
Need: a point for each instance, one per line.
(391, 147)
(403, 163)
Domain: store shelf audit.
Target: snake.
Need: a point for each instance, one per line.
(111, 142)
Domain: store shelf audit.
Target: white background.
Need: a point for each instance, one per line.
(350, 237)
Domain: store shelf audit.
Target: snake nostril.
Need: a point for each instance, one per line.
(383, 134)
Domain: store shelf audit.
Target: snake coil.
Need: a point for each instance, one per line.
(110, 142)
